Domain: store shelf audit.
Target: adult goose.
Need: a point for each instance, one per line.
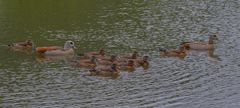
(201, 45)
(67, 49)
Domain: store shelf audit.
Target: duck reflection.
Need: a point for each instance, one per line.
(67, 58)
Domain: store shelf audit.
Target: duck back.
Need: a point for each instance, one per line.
(201, 46)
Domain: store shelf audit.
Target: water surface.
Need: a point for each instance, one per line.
(121, 26)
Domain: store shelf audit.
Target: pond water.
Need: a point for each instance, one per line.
(121, 26)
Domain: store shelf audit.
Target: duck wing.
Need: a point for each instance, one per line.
(45, 49)
(199, 42)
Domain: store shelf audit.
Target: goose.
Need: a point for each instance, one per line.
(68, 49)
(201, 45)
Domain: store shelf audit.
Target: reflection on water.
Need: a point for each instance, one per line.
(202, 79)
(54, 58)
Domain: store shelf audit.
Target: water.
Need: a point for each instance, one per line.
(198, 81)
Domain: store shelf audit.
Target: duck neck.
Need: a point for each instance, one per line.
(92, 61)
(67, 47)
(134, 56)
(101, 52)
(114, 68)
(210, 41)
(33, 47)
(182, 49)
(144, 63)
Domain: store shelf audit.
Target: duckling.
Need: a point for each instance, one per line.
(99, 54)
(28, 44)
(87, 63)
(105, 71)
(129, 66)
(181, 52)
(143, 62)
(68, 49)
(201, 45)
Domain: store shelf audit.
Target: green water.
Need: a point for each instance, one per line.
(120, 26)
(43, 20)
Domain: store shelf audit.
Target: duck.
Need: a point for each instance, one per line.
(86, 63)
(68, 49)
(143, 62)
(100, 54)
(201, 45)
(28, 44)
(129, 66)
(105, 71)
(180, 52)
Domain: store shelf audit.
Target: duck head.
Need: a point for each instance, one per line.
(212, 38)
(29, 42)
(145, 60)
(114, 67)
(94, 59)
(134, 55)
(102, 52)
(69, 45)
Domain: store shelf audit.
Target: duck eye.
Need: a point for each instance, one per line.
(71, 43)
(214, 36)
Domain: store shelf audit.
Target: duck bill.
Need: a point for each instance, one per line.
(74, 47)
